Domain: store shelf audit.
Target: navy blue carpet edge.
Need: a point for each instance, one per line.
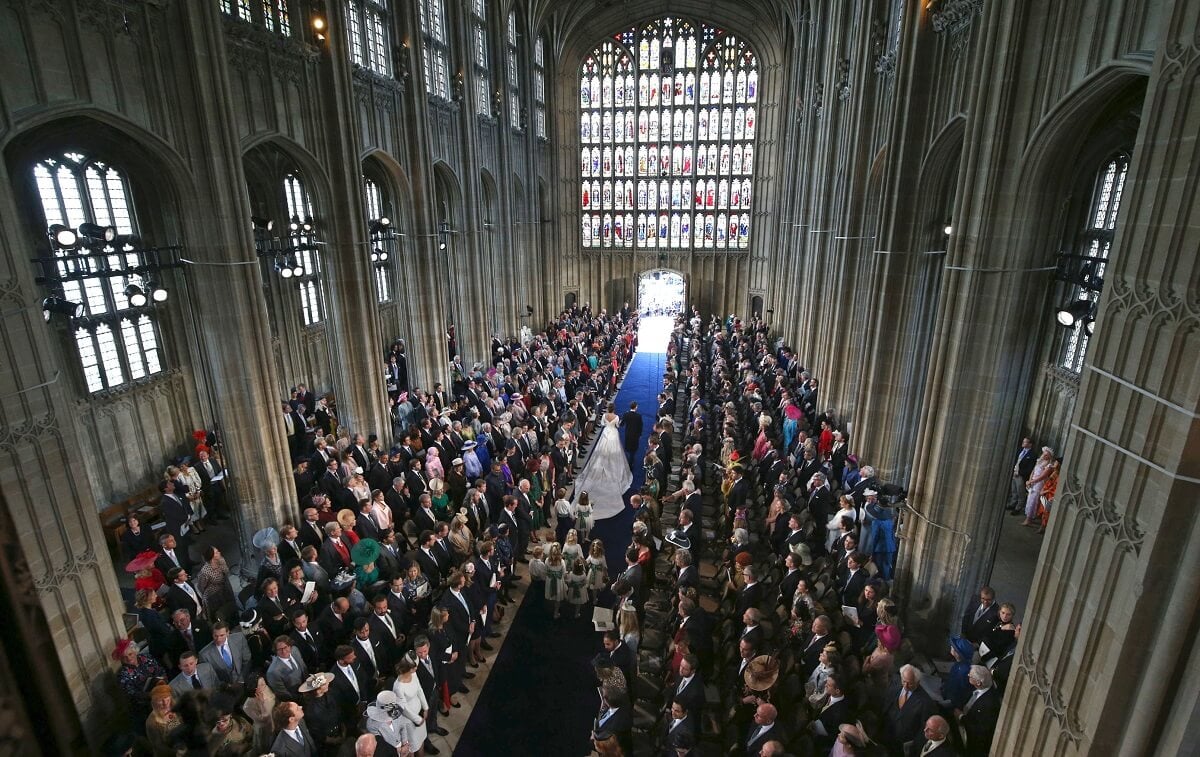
(540, 697)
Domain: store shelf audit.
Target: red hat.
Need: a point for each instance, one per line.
(119, 651)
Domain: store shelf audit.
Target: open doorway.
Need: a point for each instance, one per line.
(660, 292)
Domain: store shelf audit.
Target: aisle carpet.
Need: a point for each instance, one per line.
(540, 696)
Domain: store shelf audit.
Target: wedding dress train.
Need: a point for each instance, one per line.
(606, 477)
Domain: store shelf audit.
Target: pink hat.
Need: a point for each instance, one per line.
(889, 636)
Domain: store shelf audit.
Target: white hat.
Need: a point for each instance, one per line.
(870, 493)
(316, 681)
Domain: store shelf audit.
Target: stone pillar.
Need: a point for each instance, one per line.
(355, 342)
(1107, 659)
(235, 342)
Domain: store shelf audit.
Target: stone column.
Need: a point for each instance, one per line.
(1107, 661)
(235, 342)
(355, 342)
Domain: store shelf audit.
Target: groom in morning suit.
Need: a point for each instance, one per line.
(632, 423)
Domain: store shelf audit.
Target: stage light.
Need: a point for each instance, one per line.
(1089, 325)
(1073, 313)
(442, 246)
(58, 306)
(97, 232)
(948, 230)
(294, 224)
(298, 270)
(127, 242)
(318, 24)
(261, 224)
(137, 298)
(378, 256)
(285, 271)
(307, 225)
(157, 293)
(380, 225)
(63, 236)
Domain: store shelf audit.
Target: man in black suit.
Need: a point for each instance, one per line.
(169, 554)
(855, 580)
(632, 423)
(752, 593)
(979, 715)
(979, 620)
(336, 626)
(212, 485)
(821, 507)
(690, 688)
(836, 711)
(428, 669)
(810, 655)
(937, 739)
(461, 624)
(425, 558)
(615, 719)
(177, 513)
(763, 729)
(182, 595)
(352, 686)
(308, 641)
(187, 635)
(371, 653)
(1022, 469)
(751, 630)
(620, 654)
(520, 525)
(905, 711)
(365, 524)
(335, 551)
(311, 531)
(666, 405)
(738, 491)
(791, 578)
(388, 628)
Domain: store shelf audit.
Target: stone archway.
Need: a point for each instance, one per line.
(661, 291)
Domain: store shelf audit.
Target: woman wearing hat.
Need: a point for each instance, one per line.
(258, 706)
(461, 538)
(439, 499)
(136, 672)
(321, 712)
(878, 665)
(231, 735)
(163, 722)
(390, 724)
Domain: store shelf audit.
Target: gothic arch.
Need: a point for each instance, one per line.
(937, 181)
(396, 178)
(448, 203)
(159, 178)
(266, 160)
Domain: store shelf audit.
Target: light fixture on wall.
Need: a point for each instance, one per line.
(54, 305)
(380, 225)
(63, 236)
(378, 256)
(261, 225)
(137, 298)
(1071, 314)
(948, 229)
(97, 233)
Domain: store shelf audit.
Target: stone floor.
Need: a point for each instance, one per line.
(1016, 561)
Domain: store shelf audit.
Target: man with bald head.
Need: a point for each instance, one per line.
(763, 729)
(937, 739)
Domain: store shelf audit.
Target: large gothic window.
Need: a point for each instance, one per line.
(1092, 248)
(117, 342)
(367, 29)
(514, 72)
(668, 115)
(435, 51)
(270, 14)
(539, 87)
(483, 73)
(381, 247)
(308, 263)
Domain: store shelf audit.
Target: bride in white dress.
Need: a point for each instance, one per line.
(606, 477)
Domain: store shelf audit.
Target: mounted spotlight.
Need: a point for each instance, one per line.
(137, 297)
(285, 269)
(307, 225)
(441, 245)
(294, 224)
(297, 269)
(97, 233)
(157, 293)
(261, 224)
(380, 225)
(52, 306)
(127, 242)
(1071, 314)
(378, 256)
(948, 230)
(63, 236)
(1089, 325)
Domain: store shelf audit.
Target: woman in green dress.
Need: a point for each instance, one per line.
(440, 499)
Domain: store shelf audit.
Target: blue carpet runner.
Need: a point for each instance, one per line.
(540, 696)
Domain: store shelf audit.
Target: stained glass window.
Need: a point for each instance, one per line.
(539, 87)
(275, 16)
(116, 342)
(483, 68)
(1095, 243)
(237, 8)
(300, 212)
(435, 51)
(668, 119)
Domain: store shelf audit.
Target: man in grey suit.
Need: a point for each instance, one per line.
(193, 675)
(287, 671)
(228, 654)
(293, 740)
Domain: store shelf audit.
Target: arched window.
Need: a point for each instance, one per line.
(382, 241)
(270, 14)
(667, 125)
(308, 262)
(514, 72)
(1092, 247)
(539, 87)
(483, 69)
(367, 29)
(117, 342)
(435, 51)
